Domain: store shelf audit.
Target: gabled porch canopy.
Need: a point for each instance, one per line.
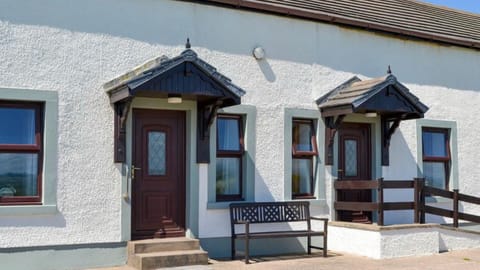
(383, 96)
(186, 76)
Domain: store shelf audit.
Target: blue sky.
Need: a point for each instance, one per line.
(468, 5)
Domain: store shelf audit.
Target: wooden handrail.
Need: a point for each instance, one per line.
(438, 192)
(356, 206)
(355, 185)
(468, 198)
(418, 205)
(398, 184)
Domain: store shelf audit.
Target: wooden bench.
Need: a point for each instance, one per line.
(274, 212)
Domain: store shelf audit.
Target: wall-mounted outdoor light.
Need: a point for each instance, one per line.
(258, 53)
(174, 98)
(371, 114)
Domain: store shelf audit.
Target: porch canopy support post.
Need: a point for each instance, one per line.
(331, 127)
(388, 128)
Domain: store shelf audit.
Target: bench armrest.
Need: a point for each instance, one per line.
(241, 222)
(319, 218)
(325, 223)
(247, 226)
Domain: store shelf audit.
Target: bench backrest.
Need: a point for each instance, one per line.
(269, 212)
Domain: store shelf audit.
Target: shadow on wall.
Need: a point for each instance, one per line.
(403, 166)
(267, 70)
(171, 22)
(262, 192)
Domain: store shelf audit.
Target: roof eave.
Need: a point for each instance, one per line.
(342, 20)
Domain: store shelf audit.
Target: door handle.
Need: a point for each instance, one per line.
(132, 176)
(132, 171)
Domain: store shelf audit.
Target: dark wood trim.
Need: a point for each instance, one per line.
(401, 184)
(468, 198)
(313, 138)
(331, 126)
(120, 130)
(387, 129)
(232, 154)
(356, 184)
(206, 112)
(388, 206)
(438, 192)
(308, 155)
(36, 148)
(356, 206)
(173, 122)
(446, 160)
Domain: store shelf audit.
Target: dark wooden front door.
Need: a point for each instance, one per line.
(158, 185)
(354, 164)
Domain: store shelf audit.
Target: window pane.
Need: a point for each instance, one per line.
(228, 176)
(18, 174)
(434, 173)
(350, 158)
(434, 144)
(17, 126)
(302, 176)
(228, 134)
(156, 153)
(302, 137)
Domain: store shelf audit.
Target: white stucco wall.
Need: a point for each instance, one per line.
(73, 47)
(399, 241)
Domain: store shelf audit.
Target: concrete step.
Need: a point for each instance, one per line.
(163, 244)
(156, 260)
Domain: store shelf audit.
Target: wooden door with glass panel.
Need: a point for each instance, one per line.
(158, 174)
(354, 163)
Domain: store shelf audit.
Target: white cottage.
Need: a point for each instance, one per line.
(114, 127)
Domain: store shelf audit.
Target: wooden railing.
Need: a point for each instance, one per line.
(418, 205)
(454, 213)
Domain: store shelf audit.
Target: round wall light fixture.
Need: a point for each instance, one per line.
(258, 53)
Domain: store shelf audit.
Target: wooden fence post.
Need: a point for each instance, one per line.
(416, 200)
(422, 200)
(380, 202)
(455, 208)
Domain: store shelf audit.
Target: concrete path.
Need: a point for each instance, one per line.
(454, 260)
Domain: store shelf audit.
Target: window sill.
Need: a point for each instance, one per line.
(27, 210)
(313, 202)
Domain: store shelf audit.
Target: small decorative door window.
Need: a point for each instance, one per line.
(156, 153)
(351, 158)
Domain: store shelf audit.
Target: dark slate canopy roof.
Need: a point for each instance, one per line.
(185, 75)
(404, 17)
(385, 96)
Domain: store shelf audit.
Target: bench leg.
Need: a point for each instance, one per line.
(247, 255)
(325, 245)
(309, 244)
(232, 243)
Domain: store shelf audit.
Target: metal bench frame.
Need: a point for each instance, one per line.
(274, 212)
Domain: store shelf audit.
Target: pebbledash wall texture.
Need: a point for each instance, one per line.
(71, 48)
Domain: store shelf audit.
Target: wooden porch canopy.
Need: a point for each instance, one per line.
(185, 76)
(385, 96)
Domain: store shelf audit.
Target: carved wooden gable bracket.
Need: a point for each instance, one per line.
(331, 127)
